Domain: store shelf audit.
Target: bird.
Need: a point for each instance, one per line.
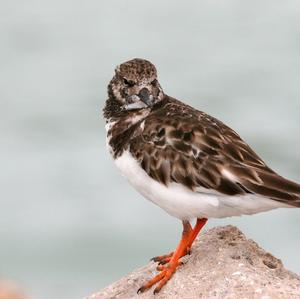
(185, 161)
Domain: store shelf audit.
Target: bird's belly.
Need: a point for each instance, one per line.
(185, 204)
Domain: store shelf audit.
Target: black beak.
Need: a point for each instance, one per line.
(144, 95)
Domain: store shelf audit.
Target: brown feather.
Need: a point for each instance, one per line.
(182, 145)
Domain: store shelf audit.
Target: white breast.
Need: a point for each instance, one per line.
(185, 204)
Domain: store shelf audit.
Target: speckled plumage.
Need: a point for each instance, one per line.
(175, 143)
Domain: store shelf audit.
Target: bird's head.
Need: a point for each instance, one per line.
(135, 85)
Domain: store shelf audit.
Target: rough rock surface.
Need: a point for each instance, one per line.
(223, 264)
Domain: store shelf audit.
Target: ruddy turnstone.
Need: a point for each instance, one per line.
(185, 161)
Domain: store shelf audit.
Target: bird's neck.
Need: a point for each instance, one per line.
(121, 125)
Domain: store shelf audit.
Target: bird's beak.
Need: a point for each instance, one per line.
(144, 95)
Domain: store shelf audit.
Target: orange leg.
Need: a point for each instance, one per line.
(188, 236)
(199, 225)
(164, 259)
(167, 273)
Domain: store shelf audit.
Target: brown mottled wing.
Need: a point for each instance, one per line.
(183, 145)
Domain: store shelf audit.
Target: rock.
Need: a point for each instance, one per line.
(9, 290)
(223, 264)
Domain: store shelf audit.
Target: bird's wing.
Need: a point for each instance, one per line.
(180, 144)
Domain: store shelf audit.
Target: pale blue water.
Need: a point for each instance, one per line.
(69, 223)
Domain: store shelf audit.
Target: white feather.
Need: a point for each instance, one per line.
(135, 105)
(226, 173)
(181, 202)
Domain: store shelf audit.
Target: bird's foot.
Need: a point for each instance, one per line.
(164, 259)
(165, 266)
(161, 278)
(168, 263)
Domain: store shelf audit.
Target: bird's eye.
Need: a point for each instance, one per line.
(154, 82)
(128, 83)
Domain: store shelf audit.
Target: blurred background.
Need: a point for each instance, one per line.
(69, 223)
